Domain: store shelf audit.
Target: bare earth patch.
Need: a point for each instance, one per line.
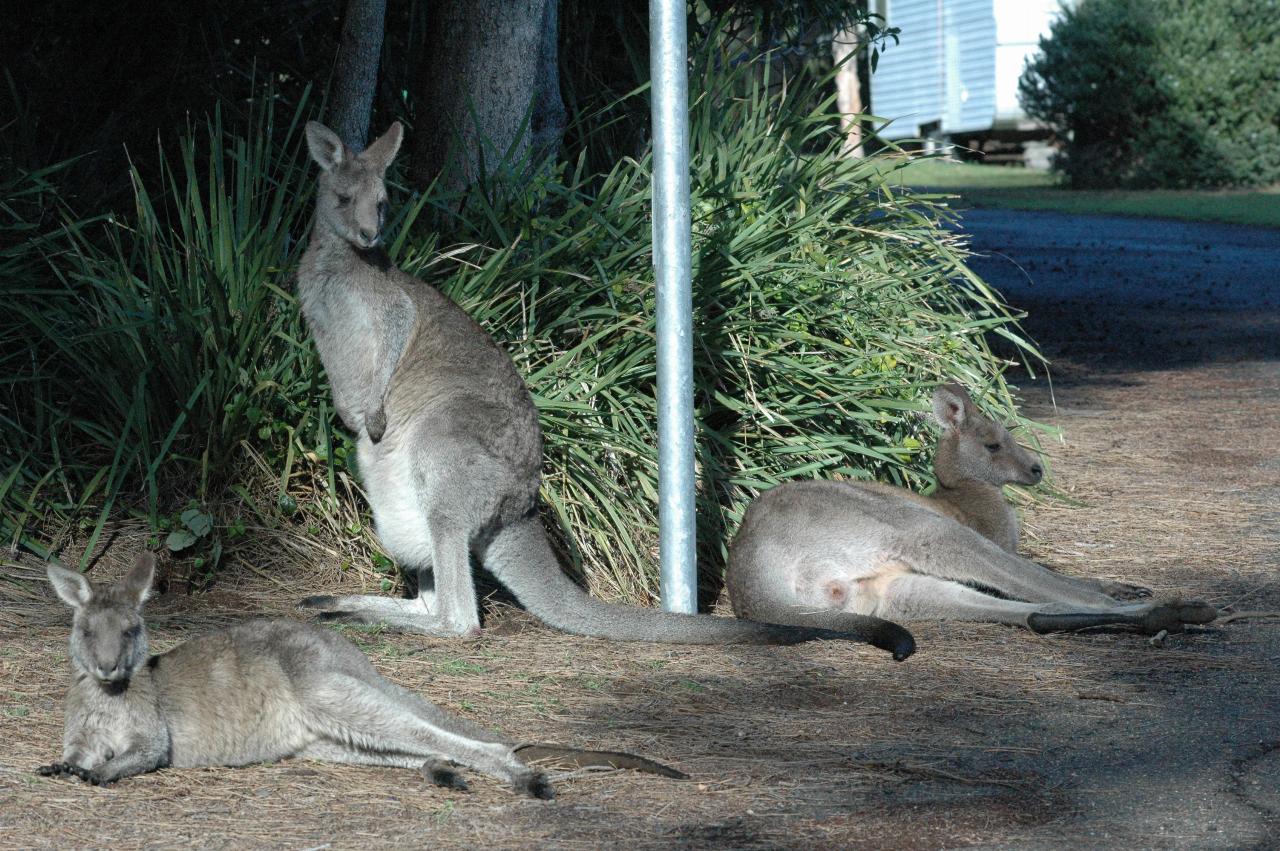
(989, 736)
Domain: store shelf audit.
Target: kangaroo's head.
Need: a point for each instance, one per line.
(975, 448)
(108, 637)
(352, 198)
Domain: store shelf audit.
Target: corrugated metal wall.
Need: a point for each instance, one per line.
(943, 70)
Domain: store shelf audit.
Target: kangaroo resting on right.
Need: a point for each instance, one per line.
(448, 440)
(816, 552)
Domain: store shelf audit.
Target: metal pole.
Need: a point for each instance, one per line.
(669, 69)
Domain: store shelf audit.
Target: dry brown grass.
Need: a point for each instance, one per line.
(972, 741)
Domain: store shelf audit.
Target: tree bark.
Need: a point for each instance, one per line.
(486, 67)
(355, 79)
(844, 51)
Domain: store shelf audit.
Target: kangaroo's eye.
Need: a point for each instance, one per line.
(993, 447)
(344, 200)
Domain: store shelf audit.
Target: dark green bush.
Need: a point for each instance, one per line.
(1162, 93)
(153, 353)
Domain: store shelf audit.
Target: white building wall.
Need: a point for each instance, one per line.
(1019, 27)
(958, 63)
(908, 86)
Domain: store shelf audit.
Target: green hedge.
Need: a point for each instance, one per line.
(1162, 93)
(154, 353)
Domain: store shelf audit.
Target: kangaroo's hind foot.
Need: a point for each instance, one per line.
(439, 772)
(415, 615)
(1173, 616)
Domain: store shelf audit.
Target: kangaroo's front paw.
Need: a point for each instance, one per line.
(375, 424)
(1125, 591)
(56, 769)
(88, 775)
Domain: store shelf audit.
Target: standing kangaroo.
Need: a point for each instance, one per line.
(448, 440)
(260, 691)
(817, 552)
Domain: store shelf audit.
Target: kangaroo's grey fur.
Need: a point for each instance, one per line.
(816, 552)
(258, 692)
(449, 445)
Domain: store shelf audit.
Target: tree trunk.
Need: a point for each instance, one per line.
(487, 68)
(844, 51)
(355, 78)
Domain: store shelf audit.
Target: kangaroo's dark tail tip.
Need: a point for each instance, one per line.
(896, 640)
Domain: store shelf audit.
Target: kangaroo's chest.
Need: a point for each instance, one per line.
(99, 728)
(346, 325)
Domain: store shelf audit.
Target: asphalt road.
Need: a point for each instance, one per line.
(1179, 319)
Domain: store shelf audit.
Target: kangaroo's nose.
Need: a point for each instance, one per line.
(1037, 471)
(368, 236)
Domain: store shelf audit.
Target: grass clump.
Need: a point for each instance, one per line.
(165, 349)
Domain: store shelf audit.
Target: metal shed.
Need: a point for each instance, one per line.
(956, 69)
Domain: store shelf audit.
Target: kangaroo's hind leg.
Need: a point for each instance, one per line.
(911, 596)
(439, 770)
(377, 719)
(947, 551)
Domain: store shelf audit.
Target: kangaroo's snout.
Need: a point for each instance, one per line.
(1037, 473)
(369, 238)
(111, 674)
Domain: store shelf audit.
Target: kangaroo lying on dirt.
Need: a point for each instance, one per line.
(449, 445)
(259, 691)
(816, 552)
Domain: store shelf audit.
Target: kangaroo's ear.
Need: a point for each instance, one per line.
(383, 150)
(951, 406)
(136, 584)
(72, 587)
(326, 148)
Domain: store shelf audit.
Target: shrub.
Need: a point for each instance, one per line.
(827, 308)
(1161, 93)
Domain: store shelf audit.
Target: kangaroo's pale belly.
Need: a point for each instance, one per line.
(399, 503)
(277, 733)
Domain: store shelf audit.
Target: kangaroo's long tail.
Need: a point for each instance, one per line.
(521, 557)
(595, 759)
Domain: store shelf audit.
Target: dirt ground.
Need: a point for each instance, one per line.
(988, 737)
